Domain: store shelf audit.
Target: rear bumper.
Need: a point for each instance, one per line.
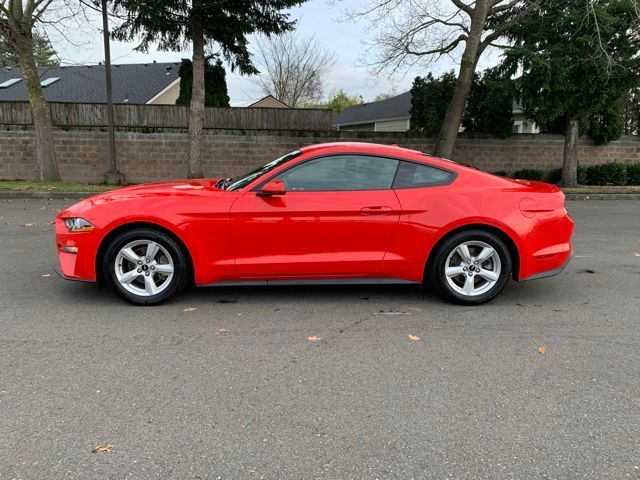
(548, 273)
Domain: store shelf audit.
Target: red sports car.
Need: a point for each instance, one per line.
(332, 213)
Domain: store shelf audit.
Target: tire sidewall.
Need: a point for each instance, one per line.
(180, 265)
(439, 279)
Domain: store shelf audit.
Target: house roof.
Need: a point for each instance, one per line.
(394, 107)
(135, 83)
(269, 98)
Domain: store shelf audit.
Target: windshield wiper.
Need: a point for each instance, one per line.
(224, 183)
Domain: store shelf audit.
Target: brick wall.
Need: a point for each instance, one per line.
(159, 156)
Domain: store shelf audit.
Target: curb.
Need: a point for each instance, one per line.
(20, 194)
(602, 196)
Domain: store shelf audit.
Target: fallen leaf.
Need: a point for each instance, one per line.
(46, 274)
(415, 338)
(221, 331)
(102, 448)
(636, 254)
(189, 309)
(28, 224)
(542, 350)
(313, 338)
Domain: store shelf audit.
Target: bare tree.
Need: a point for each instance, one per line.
(420, 31)
(18, 20)
(292, 67)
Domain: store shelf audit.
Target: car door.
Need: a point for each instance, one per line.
(337, 219)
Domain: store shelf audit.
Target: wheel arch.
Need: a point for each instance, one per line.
(129, 226)
(500, 233)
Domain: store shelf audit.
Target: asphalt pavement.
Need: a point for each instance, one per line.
(394, 383)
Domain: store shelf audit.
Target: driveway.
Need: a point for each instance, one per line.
(232, 388)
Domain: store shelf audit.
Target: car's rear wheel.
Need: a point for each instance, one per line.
(471, 267)
(145, 266)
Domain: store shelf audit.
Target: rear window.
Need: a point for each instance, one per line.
(415, 175)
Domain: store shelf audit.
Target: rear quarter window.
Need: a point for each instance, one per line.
(416, 175)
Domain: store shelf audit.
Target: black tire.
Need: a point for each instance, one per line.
(180, 266)
(436, 274)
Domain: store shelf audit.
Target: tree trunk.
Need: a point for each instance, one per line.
(46, 166)
(196, 109)
(570, 159)
(452, 119)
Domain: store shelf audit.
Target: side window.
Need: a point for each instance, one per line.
(341, 172)
(414, 175)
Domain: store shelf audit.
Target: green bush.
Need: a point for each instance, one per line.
(529, 174)
(554, 176)
(582, 175)
(612, 173)
(501, 173)
(633, 174)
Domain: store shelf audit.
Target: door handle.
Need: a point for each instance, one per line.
(376, 210)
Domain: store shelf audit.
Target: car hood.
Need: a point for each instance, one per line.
(178, 188)
(174, 188)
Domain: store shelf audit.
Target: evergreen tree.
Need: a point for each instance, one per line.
(43, 53)
(215, 84)
(577, 59)
(224, 24)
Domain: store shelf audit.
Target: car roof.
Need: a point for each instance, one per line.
(360, 147)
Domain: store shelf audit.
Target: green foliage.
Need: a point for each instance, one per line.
(384, 96)
(227, 23)
(43, 53)
(489, 108)
(633, 173)
(631, 111)
(501, 173)
(612, 173)
(607, 124)
(529, 174)
(430, 98)
(554, 176)
(215, 84)
(582, 174)
(574, 67)
(338, 101)
(490, 105)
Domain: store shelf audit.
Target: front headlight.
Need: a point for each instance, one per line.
(78, 225)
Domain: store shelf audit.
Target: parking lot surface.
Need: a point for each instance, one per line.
(394, 383)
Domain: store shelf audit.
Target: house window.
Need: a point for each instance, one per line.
(8, 83)
(49, 81)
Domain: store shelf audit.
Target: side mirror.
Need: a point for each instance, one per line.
(273, 187)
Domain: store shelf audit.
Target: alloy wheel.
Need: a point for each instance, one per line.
(472, 268)
(144, 268)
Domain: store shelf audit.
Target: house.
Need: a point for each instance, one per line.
(390, 115)
(138, 83)
(269, 102)
(393, 115)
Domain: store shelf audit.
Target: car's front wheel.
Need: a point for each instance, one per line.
(471, 267)
(145, 266)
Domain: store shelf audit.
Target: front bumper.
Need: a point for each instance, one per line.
(79, 264)
(61, 274)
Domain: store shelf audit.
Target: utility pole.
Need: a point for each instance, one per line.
(112, 177)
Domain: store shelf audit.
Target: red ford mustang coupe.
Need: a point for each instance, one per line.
(325, 214)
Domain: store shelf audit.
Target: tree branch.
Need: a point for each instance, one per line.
(463, 6)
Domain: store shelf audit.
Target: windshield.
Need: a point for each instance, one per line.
(246, 179)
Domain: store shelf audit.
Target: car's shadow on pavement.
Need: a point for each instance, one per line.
(521, 294)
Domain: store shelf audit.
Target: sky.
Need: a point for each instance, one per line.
(82, 44)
